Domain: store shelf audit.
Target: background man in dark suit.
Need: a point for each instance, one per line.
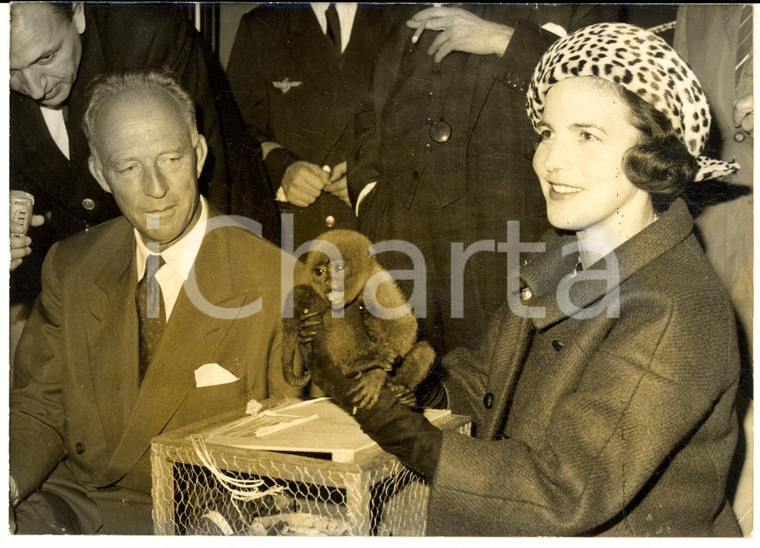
(448, 146)
(298, 74)
(106, 363)
(55, 50)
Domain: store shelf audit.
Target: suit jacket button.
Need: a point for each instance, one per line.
(88, 204)
(739, 137)
(79, 448)
(329, 221)
(488, 400)
(428, 147)
(557, 345)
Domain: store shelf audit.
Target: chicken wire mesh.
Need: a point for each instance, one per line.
(208, 489)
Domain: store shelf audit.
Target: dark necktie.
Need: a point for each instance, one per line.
(744, 42)
(151, 313)
(333, 27)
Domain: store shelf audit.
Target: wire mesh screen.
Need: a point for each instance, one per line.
(202, 490)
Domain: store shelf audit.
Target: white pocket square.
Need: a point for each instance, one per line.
(212, 374)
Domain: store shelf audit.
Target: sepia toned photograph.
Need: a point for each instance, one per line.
(380, 270)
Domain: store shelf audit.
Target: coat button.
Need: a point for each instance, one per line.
(428, 147)
(431, 95)
(488, 400)
(739, 137)
(88, 204)
(79, 448)
(526, 293)
(329, 221)
(557, 345)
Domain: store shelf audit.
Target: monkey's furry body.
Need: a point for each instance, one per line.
(366, 332)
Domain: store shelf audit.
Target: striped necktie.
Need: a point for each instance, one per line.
(151, 313)
(744, 43)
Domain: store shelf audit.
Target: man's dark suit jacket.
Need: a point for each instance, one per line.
(121, 38)
(293, 88)
(466, 189)
(76, 397)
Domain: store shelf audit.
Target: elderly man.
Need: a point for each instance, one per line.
(161, 317)
(55, 51)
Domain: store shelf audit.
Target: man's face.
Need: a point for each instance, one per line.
(147, 156)
(45, 51)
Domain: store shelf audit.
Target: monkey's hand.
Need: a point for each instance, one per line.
(308, 326)
(403, 394)
(367, 389)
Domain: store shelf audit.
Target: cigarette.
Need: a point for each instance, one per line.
(417, 33)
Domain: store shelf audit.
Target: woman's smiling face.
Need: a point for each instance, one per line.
(585, 134)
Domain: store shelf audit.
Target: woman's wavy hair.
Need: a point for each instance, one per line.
(660, 163)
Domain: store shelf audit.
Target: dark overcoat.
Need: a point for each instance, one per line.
(619, 424)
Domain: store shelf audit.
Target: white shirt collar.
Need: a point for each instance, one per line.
(346, 14)
(179, 259)
(57, 127)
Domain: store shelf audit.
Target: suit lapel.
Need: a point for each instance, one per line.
(310, 49)
(26, 120)
(190, 340)
(93, 64)
(111, 326)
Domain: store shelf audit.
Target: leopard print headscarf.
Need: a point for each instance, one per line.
(642, 63)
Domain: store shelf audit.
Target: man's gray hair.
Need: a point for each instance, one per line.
(114, 85)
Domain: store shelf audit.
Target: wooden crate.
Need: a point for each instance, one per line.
(321, 476)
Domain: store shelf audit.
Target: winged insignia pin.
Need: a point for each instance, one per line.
(285, 85)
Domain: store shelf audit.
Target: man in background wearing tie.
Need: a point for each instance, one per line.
(716, 41)
(298, 74)
(55, 51)
(159, 318)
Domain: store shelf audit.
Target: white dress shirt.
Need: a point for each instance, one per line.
(179, 259)
(57, 127)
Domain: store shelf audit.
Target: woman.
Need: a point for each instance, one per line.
(605, 404)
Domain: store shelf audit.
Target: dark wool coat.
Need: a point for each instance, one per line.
(603, 426)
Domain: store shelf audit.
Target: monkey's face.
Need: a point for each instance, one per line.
(329, 279)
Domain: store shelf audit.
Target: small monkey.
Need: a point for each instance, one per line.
(368, 333)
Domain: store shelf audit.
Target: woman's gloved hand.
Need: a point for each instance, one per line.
(396, 427)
